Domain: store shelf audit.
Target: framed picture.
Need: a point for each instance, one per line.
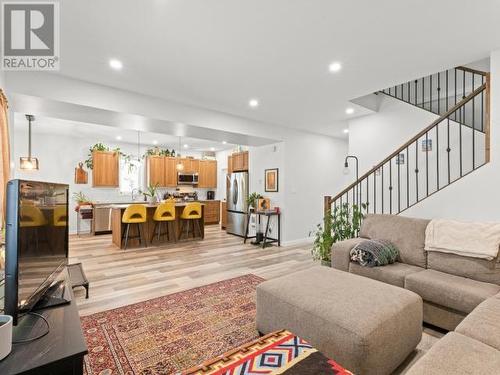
(426, 145)
(271, 178)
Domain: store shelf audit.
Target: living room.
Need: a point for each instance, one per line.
(369, 166)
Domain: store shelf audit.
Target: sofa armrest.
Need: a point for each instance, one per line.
(340, 253)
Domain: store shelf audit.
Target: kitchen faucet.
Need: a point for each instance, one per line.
(133, 194)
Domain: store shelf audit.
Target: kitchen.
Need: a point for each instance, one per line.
(108, 169)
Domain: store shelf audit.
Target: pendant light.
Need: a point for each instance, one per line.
(179, 166)
(29, 163)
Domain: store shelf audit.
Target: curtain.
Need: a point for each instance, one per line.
(4, 155)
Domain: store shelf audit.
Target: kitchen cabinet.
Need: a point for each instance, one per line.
(239, 161)
(207, 174)
(223, 215)
(105, 169)
(156, 170)
(212, 212)
(229, 164)
(170, 172)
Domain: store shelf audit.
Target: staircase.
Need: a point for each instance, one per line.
(451, 147)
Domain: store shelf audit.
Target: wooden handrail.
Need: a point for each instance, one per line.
(470, 70)
(412, 140)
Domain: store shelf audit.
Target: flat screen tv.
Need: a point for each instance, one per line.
(36, 242)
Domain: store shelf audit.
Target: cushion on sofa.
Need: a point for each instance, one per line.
(473, 268)
(341, 253)
(392, 273)
(457, 354)
(407, 234)
(452, 291)
(483, 324)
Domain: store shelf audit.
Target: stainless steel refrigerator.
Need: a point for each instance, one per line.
(236, 200)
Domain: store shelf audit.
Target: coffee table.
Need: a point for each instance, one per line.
(279, 352)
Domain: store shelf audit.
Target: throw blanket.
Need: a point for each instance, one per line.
(477, 240)
(371, 253)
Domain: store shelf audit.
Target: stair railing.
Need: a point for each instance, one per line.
(439, 92)
(452, 146)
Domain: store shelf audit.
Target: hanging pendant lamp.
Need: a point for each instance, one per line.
(179, 166)
(29, 163)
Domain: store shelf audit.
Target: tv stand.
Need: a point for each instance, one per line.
(61, 351)
(57, 294)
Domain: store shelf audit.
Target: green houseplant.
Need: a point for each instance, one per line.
(341, 224)
(252, 199)
(150, 192)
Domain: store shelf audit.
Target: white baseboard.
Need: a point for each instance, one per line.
(300, 241)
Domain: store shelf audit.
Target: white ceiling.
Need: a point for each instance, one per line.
(220, 53)
(109, 134)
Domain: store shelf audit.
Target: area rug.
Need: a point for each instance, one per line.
(171, 333)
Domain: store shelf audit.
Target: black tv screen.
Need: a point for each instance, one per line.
(36, 241)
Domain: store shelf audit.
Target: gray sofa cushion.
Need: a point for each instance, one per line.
(451, 291)
(340, 253)
(392, 273)
(473, 268)
(457, 354)
(407, 234)
(483, 324)
(347, 317)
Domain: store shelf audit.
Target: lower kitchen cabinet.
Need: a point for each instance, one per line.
(223, 215)
(212, 212)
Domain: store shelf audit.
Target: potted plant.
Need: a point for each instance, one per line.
(81, 200)
(342, 224)
(252, 200)
(151, 193)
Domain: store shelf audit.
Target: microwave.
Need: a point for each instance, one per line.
(187, 178)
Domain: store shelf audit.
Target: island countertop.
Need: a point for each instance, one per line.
(118, 228)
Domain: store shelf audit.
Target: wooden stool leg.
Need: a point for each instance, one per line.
(126, 236)
(159, 231)
(167, 232)
(154, 231)
(174, 231)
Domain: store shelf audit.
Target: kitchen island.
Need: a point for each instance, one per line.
(118, 228)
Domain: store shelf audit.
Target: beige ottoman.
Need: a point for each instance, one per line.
(367, 326)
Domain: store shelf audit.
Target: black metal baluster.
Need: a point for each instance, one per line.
(423, 93)
(460, 139)
(427, 162)
(416, 168)
(367, 194)
(448, 149)
(402, 93)
(455, 113)
(430, 93)
(439, 93)
(390, 186)
(375, 192)
(409, 91)
(437, 156)
(463, 86)
(399, 183)
(407, 178)
(416, 92)
(473, 129)
(447, 93)
(382, 187)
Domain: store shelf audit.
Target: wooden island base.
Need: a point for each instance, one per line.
(118, 228)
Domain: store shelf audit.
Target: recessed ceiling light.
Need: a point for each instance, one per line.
(115, 64)
(254, 103)
(224, 142)
(349, 111)
(346, 131)
(334, 67)
(155, 142)
(212, 148)
(186, 146)
(118, 137)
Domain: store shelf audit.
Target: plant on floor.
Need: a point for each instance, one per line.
(252, 199)
(342, 224)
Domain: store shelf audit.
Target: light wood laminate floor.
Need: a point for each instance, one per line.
(121, 277)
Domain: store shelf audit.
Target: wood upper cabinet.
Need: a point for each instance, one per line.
(156, 170)
(207, 177)
(105, 169)
(170, 172)
(230, 164)
(239, 162)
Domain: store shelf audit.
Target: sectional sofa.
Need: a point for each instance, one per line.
(459, 293)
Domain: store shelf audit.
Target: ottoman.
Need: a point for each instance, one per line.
(368, 326)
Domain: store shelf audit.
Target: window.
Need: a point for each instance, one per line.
(130, 174)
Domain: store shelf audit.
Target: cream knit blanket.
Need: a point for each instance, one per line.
(477, 240)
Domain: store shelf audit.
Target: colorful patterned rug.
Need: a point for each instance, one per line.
(168, 334)
(276, 353)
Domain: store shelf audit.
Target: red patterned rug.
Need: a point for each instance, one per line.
(171, 333)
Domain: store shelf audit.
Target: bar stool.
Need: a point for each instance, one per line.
(191, 214)
(32, 219)
(164, 213)
(134, 214)
(60, 216)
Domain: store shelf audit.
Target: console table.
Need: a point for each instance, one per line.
(267, 240)
(61, 351)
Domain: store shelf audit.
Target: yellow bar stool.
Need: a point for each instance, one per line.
(32, 220)
(60, 216)
(134, 214)
(191, 214)
(164, 213)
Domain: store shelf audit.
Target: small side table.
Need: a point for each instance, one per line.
(267, 240)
